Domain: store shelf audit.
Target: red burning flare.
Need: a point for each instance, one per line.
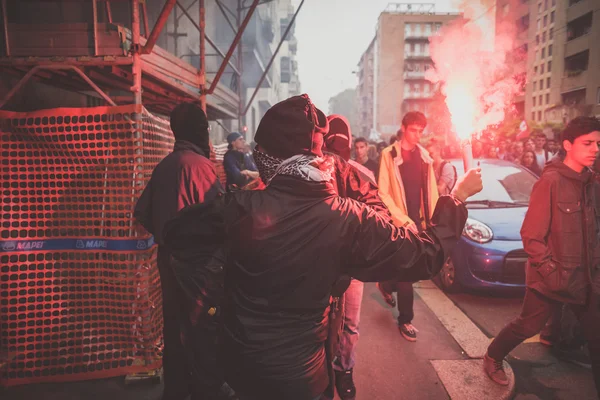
(470, 64)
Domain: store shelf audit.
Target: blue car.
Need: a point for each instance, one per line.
(490, 253)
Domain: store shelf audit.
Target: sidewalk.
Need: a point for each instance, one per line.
(434, 367)
(387, 368)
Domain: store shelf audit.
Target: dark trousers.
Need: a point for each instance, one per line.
(536, 310)
(176, 374)
(405, 299)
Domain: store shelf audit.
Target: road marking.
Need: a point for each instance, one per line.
(472, 340)
(465, 380)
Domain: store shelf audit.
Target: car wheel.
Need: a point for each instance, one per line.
(447, 279)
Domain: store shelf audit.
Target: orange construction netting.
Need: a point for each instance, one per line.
(79, 289)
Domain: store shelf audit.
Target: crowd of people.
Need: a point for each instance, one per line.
(262, 283)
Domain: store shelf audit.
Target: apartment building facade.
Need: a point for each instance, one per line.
(392, 69)
(560, 42)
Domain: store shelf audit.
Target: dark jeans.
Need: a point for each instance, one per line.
(176, 375)
(536, 310)
(405, 299)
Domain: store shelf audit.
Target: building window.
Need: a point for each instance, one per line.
(552, 17)
(580, 26)
(534, 101)
(505, 9)
(533, 115)
(545, 20)
(539, 23)
(540, 100)
(576, 64)
(545, 5)
(549, 50)
(544, 37)
(541, 84)
(537, 39)
(428, 29)
(553, 3)
(598, 96)
(539, 115)
(534, 83)
(542, 69)
(547, 98)
(550, 66)
(418, 29)
(551, 34)
(540, 7)
(535, 70)
(548, 83)
(543, 53)
(407, 29)
(523, 23)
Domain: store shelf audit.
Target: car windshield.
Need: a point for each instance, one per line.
(504, 185)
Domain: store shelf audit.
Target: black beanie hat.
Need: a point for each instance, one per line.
(291, 127)
(189, 122)
(339, 138)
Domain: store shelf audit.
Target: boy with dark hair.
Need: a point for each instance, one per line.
(361, 149)
(542, 155)
(560, 236)
(408, 187)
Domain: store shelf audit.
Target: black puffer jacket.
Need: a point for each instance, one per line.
(288, 244)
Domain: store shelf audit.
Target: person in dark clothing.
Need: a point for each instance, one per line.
(238, 164)
(344, 334)
(184, 177)
(408, 187)
(560, 236)
(288, 244)
(361, 149)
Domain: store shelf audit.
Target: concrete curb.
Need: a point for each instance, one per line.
(463, 379)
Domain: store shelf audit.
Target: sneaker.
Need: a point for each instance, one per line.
(495, 370)
(409, 332)
(388, 297)
(345, 385)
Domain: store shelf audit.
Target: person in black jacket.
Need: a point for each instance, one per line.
(345, 333)
(184, 177)
(287, 245)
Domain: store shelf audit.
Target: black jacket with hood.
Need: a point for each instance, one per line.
(560, 234)
(287, 245)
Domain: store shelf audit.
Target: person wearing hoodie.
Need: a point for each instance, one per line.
(348, 293)
(408, 187)
(183, 178)
(560, 236)
(288, 244)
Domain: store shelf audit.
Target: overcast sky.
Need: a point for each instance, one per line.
(332, 35)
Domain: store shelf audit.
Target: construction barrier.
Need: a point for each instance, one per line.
(79, 289)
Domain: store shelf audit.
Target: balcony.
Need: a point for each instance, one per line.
(414, 74)
(417, 95)
(578, 45)
(416, 36)
(416, 55)
(574, 82)
(577, 9)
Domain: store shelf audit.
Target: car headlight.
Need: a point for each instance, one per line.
(477, 231)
